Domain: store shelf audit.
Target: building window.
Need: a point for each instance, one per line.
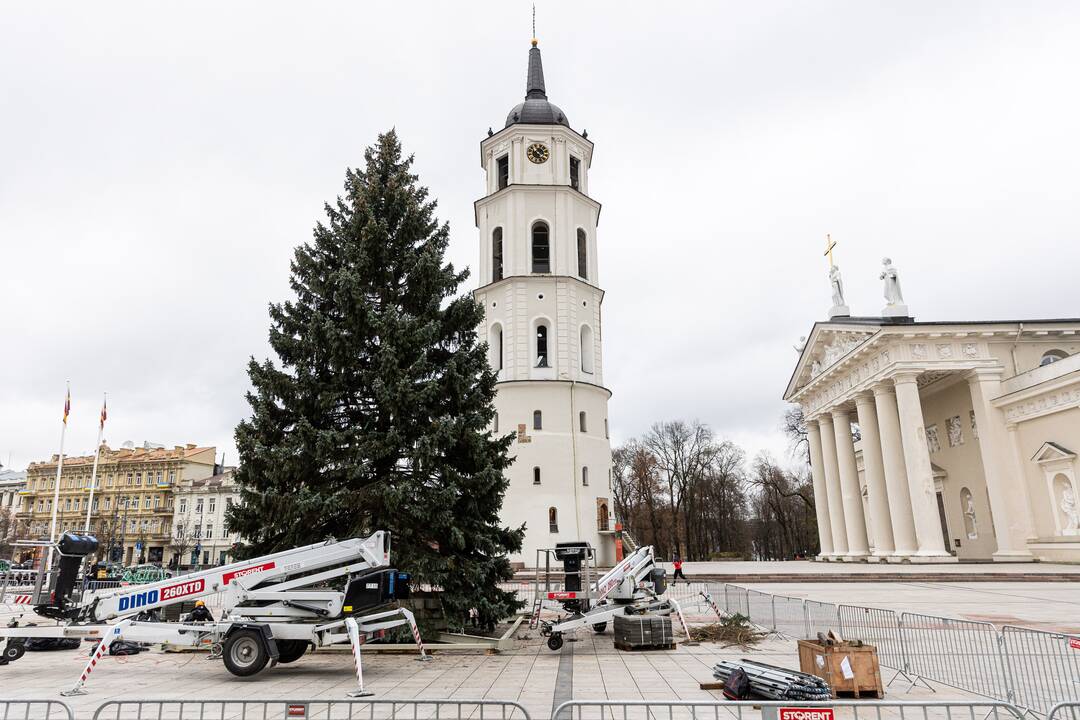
(138, 479)
(198, 505)
(536, 476)
(496, 255)
(108, 503)
(503, 165)
(586, 344)
(541, 346)
(198, 532)
(148, 502)
(129, 480)
(183, 505)
(172, 476)
(157, 501)
(581, 421)
(495, 423)
(158, 477)
(179, 532)
(541, 248)
(582, 255)
(585, 476)
(575, 173)
(495, 347)
(605, 428)
(1052, 356)
(602, 520)
(553, 520)
(538, 420)
(209, 532)
(76, 503)
(211, 504)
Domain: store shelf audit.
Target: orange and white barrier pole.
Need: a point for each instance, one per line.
(415, 633)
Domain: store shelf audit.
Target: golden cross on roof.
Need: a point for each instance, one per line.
(829, 245)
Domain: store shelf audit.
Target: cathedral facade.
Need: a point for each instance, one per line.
(539, 286)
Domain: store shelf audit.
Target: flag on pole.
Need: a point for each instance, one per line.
(104, 414)
(67, 405)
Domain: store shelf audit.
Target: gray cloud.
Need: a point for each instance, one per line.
(160, 163)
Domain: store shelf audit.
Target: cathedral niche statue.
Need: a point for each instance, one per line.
(1071, 512)
(894, 298)
(971, 527)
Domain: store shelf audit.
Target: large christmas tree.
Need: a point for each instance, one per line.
(378, 414)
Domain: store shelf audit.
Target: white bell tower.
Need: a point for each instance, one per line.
(539, 285)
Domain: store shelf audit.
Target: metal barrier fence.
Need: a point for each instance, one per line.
(1044, 667)
(308, 710)
(736, 600)
(760, 607)
(770, 710)
(1065, 711)
(789, 617)
(821, 617)
(880, 628)
(35, 710)
(962, 654)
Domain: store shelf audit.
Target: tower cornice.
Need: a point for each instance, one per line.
(533, 276)
(478, 205)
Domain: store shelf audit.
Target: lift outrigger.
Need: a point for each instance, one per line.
(633, 587)
(274, 608)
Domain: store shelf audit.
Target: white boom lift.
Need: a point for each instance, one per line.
(633, 587)
(273, 607)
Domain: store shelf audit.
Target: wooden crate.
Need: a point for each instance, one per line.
(825, 661)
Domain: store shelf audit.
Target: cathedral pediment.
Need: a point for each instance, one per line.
(828, 343)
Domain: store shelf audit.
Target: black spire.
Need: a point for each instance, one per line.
(534, 84)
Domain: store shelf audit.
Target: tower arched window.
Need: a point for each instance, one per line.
(495, 423)
(541, 248)
(582, 254)
(496, 255)
(495, 347)
(581, 421)
(553, 520)
(586, 349)
(538, 420)
(1052, 356)
(542, 346)
(602, 518)
(536, 476)
(585, 476)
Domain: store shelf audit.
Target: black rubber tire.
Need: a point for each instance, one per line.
(554, 642)
(245, 653)
(13, 652)
(599, 628)
(291, 650)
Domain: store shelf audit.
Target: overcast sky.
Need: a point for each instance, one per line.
(158, 164)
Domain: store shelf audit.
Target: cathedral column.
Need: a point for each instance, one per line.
(821, 493)
(919, 473)
(858, 547)
(832, 481)
(896, 483)
(1001, 478)
(875, 475)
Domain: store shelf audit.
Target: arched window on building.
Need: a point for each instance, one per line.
(581, 421)
(585, 476)
(1052, 356)
(495, 423)
(538, 420)
(495, 347)
(536, 476)
(542, 346)
(553, 520)
(602, 518)
(496, 255)
(541, 248)
(582, 254)
(586, 349)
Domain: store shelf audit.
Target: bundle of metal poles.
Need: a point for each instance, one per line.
(776, 683)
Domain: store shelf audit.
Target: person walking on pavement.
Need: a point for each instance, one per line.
(678, 570)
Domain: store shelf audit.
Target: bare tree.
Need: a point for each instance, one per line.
(794, 426)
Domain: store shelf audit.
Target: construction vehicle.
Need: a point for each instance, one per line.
(632, 587)
(272, 608)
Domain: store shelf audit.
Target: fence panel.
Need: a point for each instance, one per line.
(962, 654)
(760, 606)
(1065, 711)
(880, 628)
(821, 617)
(736, 600)
(365, 709)
(1043, 667)
(790, 615)
(35, 710)
(769, 710)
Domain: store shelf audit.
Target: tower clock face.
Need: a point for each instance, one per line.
(538, 153)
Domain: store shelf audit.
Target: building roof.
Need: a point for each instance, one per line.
(127, 455)
(536, 110)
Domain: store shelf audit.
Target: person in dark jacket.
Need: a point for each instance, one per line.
(201, 613)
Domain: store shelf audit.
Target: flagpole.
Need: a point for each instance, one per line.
(59, 469)
(97, 454)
